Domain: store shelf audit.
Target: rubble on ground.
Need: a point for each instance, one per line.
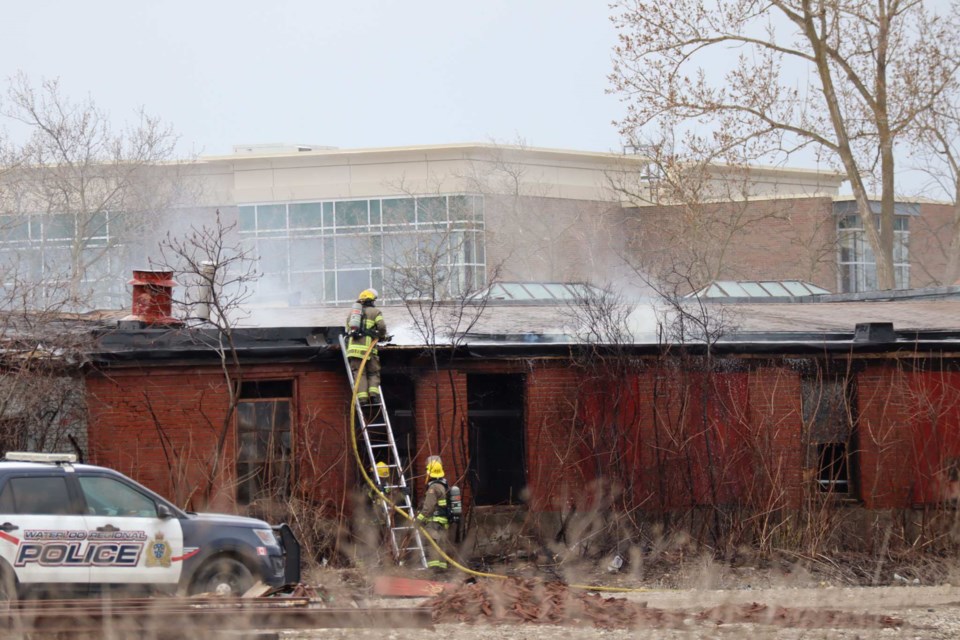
(517, 600)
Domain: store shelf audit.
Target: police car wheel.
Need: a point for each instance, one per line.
(223, 577)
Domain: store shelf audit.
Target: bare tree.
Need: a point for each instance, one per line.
(868, 70)
(42, 395)
(690, 213)
(937, 151)
(82, 195)
(218, 275)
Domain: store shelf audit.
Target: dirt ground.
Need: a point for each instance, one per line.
(777, 609)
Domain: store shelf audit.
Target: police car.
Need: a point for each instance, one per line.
(67, 528)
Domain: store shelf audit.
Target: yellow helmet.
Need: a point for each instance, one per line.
(383, 470)
(367, 294)
(434, 467)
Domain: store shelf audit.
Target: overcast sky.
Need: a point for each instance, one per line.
(345, 74)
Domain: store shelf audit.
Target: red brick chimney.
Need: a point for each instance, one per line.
(153, 297)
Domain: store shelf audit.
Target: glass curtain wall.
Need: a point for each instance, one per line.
(329, 251)
(856, 261)
(50, 256)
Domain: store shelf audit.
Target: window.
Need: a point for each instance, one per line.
(110, 497)
(830, 434)
(43, 248)
(328, 251)
(833, 476)
(497, 469)
(264, 448)
(306, 216)
(37, 495)
(856, 261)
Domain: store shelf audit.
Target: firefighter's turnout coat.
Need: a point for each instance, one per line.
(372, 325)
(435, 517)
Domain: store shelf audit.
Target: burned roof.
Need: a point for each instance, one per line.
(306, 334)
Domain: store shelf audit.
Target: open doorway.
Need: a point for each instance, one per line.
(398, 393)
(497, 444)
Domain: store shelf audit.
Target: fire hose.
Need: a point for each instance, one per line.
(423, 532)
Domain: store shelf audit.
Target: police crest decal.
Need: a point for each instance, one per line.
(159, 554)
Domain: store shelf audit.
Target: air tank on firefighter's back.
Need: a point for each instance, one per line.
(456, 504)
(356, 318)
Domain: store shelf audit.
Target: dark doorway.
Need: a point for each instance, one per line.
(497, 444)
(398, 394)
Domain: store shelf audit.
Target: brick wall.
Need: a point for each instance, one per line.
(775, 420)
(161, 426)
(790, 238)
(667, 438)
(440, 412)
(556, 470)
(930, 235)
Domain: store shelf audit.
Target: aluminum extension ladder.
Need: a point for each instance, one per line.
(380, 445)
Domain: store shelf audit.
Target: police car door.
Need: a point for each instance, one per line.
(134, 544)
(42, 530)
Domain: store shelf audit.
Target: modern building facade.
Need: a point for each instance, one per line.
(444, 220)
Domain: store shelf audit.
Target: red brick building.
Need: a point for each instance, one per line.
(789, 406)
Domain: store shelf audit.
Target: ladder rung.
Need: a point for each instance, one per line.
(378, 446)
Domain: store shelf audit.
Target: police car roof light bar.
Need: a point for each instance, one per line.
(30, 456)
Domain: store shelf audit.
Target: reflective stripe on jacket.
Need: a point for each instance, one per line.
(435, 504)
(373, 326)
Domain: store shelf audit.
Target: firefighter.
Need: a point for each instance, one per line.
(379, 513)
(372, 526)
(435, 513)
(371, 325)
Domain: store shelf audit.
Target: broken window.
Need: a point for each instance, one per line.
(829, 425)
(263, 437)
(497, 444)
(832, 472)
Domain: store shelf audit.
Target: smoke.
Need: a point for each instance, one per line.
(645, 320)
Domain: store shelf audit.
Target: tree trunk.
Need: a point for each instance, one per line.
(951, 274)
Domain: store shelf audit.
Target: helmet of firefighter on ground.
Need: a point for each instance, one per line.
(434, 467)
(368, 294)
(383, 470)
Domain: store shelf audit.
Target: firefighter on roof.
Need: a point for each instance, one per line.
(435, 513)
(365, 323)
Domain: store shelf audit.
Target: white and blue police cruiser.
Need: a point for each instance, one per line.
(68, 528)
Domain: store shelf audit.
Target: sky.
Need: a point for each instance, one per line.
(344, 74)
